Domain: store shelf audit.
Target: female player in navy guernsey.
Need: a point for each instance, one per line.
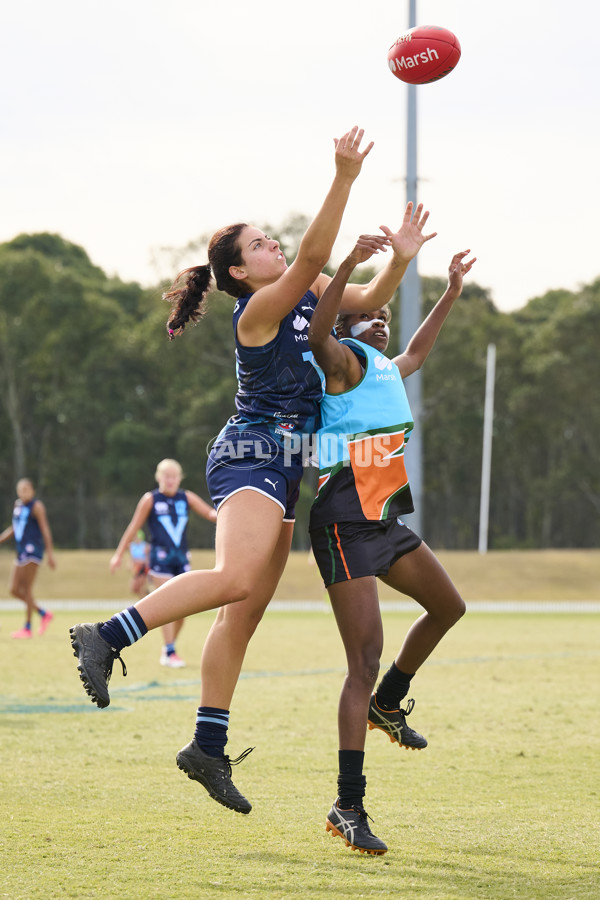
(252, 484)
(32, 534)
(356, 529)
(165, 513)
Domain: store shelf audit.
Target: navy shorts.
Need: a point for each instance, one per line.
(166, 564)
(253, 460)
(30, 553)
(347, 550)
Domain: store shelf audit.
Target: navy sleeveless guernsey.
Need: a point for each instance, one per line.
(27, 532)
(277, 384)
(277, 401)
(167, 524)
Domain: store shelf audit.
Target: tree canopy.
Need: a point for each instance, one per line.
(93, 395)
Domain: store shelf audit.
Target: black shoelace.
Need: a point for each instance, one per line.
(115, 655)
(365, 816)
(410, 705)
(235, 762)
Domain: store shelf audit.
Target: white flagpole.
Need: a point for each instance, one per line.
(486, 463)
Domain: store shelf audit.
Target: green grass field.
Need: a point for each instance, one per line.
(502, 804)
(524, 575)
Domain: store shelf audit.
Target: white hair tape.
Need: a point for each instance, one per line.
(355, 330)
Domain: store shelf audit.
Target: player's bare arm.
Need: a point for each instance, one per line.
(425, 336)
(342, 368)
(6, 534)
(272, 301)
(405, 244)
(142, 511)
(201, 507)
(39, 511)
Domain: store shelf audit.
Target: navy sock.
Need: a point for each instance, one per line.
(211, 729)
(351, 781)
(124, 629)
(169, 649)
(393, 687)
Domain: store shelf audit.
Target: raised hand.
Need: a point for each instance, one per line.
(367, 246)
(348, 155)
(457, 269)
(409, 239)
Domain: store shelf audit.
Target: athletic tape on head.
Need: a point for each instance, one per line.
(355, 330)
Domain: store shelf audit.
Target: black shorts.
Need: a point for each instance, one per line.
(346, 550)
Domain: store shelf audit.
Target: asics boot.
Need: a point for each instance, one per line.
(393, 723)
(353, 827)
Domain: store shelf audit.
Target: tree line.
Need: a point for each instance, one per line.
(93, 395)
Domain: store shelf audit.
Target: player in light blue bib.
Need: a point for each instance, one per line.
(357, 533)
(252, 483)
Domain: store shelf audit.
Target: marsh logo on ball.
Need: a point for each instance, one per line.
(424, 54)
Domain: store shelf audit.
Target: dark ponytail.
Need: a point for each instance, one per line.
(188, 298)
(188, 292)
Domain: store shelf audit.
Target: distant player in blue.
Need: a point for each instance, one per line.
(357, 533)
(32, 534)
(165, 514)
(252, 482)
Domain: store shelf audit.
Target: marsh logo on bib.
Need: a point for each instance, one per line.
(382, 362)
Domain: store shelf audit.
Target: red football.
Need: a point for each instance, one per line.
(423, 54)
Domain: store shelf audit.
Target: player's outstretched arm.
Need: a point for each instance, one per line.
(425, 336)
(405, 243)
(201, 507)
(6, 534)
(142, 511)
(270, 304)
(341, 367)
(39, 511)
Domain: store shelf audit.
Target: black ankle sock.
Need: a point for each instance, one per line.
(393, 687)
(351, 781)
(351, 790)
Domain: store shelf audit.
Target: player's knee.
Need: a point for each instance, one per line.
(237, 589)
(365, 666)
(460, 609)
(455, 611)
(242, 620)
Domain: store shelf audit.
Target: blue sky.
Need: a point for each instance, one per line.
(129, 126)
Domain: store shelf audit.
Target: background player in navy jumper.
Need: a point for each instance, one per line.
(250, 483)
(165, 513)
(356, 529)
(32, 535)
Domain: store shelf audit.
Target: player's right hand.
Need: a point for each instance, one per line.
(348, 155)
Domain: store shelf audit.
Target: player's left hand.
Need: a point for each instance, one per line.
(457, 269)
(409, 239)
